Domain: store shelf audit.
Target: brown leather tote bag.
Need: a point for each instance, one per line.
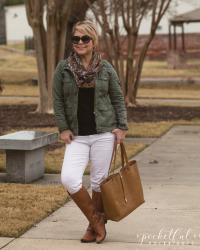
(122, 192)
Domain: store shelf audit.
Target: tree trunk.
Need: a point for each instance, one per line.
(130, 70)
(51, 49)
(50, 43)
(139, 68)
(42, 80)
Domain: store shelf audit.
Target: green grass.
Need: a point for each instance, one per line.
(161, 69)
(24, 205)
(16, 68)
(18, 46)
(178, 92)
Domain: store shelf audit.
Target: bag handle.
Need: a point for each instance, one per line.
(114, 155)
(124, 154)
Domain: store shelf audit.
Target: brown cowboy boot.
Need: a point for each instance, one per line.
(98, 203)
(90, 235)
(85, 203)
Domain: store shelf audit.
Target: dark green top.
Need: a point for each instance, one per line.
(86, 117)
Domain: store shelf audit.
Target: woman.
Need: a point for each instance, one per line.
(90, 114)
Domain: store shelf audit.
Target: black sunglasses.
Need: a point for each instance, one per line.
(85, 39)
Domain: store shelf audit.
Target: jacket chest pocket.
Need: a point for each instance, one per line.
(69, 88)
(102, 84)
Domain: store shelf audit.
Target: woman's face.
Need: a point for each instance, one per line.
(83, 48)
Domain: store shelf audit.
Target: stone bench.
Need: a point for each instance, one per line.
(25, 154)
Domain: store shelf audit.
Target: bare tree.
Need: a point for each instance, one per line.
(120, 22)
(50, 42)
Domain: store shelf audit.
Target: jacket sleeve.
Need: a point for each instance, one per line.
(117, 99)
(58, 99)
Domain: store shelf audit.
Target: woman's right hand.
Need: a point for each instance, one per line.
(67, 136)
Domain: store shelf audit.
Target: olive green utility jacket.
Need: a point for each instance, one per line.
(109, 106)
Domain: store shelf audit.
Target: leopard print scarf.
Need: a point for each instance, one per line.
(84, 77)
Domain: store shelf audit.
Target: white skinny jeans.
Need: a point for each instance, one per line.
(98, 148)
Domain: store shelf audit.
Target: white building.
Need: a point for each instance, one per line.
(17, 24)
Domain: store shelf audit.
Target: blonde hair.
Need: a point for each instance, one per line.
(88, 28)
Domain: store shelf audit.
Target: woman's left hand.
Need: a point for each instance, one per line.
(120, 134)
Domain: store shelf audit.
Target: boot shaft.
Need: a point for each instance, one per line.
(96, 219)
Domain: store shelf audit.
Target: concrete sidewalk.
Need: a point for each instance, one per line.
(169, 219)
(169, 102)
(170, 80)
(193, 102)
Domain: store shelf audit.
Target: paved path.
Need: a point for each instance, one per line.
(169, 102)
(170, 80)
(142, 101)
(169, 219)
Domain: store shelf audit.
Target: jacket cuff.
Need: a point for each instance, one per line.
(62, 129)
(123, 127)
